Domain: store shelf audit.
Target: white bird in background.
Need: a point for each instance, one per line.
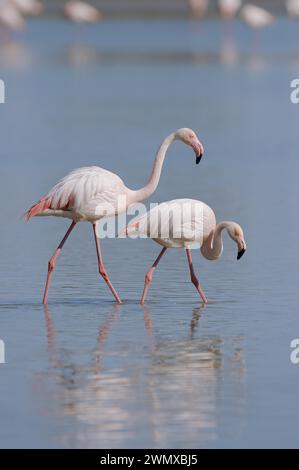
(256, 17)
(29, 7)
(187, 224)
(10, 16)
(198, 7)
(91, 193)
(292, 7)
(81, 12)
(229, 8)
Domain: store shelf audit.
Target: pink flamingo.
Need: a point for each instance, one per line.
(188, 224)
(256, 17)
(29, 7)
(292, 7)
(228, 8)
(81, 12)
(91, 193)
(198, 7)
(10, 16)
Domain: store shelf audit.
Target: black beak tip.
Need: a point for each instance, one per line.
(198, 159)
(241, 253)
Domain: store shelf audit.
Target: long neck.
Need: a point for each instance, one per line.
(213, 245)
(154, 178)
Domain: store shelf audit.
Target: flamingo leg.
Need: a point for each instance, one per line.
(194, 279)
(149, 275)
(52, 262)
(102, 269)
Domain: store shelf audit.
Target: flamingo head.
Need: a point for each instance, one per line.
(189, 137)
(236, 233)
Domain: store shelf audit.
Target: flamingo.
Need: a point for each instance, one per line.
(198, 7)
(10, 16)
(188, 224)
(256, 17)
(91, 193)
(81, 12)
(292, 7)
(229, 8)
(29, 7)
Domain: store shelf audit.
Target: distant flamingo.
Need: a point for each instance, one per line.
(10, 17)
(188, 224)
(91, 193)
(292, 7)
(81, 12)
(228, 8)
(256, 17)
(29, 7)
(198, 7)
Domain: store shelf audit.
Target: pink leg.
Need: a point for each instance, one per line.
(102, 269)
(52, 261)
(149, 275)
(194, 279)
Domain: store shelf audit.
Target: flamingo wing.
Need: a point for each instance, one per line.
(80, 190)
(180, 221)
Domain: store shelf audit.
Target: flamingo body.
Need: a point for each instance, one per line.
(256, 17)
(180, 223)
(292, 7)
(11, 17)
(198, 7)
(229, 8)
(81, 12)
(85, 194)
(29, 7)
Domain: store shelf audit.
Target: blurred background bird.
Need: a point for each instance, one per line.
(81, 12)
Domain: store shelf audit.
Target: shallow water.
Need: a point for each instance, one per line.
(84, 372)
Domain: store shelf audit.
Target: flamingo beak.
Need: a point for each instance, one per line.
(241, 253)
(198, 149)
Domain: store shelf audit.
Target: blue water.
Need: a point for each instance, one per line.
(84, 372)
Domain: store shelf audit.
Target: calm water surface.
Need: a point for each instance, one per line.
(84, 372)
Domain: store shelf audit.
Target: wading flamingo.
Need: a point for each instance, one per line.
(292, 7)
(256, 17)
(81, 12)
(228, 8)
(188, 224)
(29, 7)
(198, 7)
(91, 193)
(10, 16)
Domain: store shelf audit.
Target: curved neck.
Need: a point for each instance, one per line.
(154, 178)
(212, 247)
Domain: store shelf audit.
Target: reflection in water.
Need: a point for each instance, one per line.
(172, 387)
(15, 55)
(229, 54)
(82, 55)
